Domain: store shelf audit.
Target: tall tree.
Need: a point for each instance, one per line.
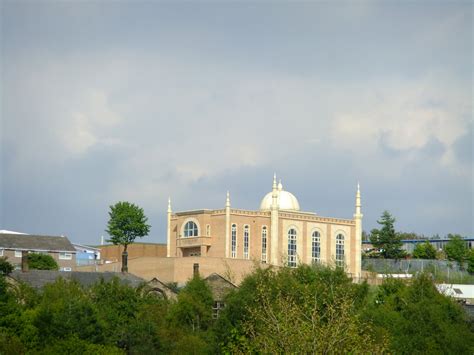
(386, 239)
(456, 248)
(127, 222)
(424, 251)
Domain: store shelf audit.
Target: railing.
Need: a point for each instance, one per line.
(188, 242)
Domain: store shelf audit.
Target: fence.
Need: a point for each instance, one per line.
(443, 270)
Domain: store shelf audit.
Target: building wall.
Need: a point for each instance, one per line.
(16, 261)
(304, 223)
(135, 250)
(179, 269)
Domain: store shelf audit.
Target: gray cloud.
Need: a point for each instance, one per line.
(107, 101)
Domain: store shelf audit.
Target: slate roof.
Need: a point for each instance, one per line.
(39, 278)
(36, 243)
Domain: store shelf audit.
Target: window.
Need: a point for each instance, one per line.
(339, 250)
(246, 242)
(17, 253)
(66, 269)
(208, 230)
(216, 308)
(190, 229)
(292, 248)
(264, 244)
(234, 240)
(315, 247)
(65, 256)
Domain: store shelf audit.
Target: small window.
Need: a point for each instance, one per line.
(66, 269)
(292, 248)
(315, 247)
(340, 250)
(246, 242)
(208, 230)
(216, 308)
(264, 244)
(17, 253)
(234, 241)
(65, 256)
(190, 229)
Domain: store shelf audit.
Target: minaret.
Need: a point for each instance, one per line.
(227, 225)
(168, 232)
(274, 223)
(358, 234)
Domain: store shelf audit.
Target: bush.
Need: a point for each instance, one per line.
(5, 267)
(42, 262)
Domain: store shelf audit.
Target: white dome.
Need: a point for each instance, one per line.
(286, 201)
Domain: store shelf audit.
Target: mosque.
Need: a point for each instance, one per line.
(279, 233)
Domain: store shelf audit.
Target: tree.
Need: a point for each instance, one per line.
(127, 222)
(303, 310)
(424, 251)
(456, 248)
(5, 267)
(42, 262)
(386, 239)
(419, 319)
(470, 262)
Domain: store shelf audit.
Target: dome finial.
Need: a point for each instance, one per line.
(280, 186)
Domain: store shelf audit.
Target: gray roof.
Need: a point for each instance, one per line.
(39, 278)
(35, 243)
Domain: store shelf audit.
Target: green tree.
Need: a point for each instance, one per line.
(424, 251)
(456, 248)
(127, 222)
(386, 239)
(42, 262)
(5, 267)
(418, 319)
(470, 261)
(302, 310)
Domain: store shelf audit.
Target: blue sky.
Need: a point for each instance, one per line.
(108, 101)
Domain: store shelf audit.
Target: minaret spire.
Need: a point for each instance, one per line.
(168, 231)
(358, 233)
(227, 200)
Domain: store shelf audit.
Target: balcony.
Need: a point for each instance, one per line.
(190, 242)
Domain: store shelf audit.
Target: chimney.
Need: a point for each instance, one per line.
(195, 269)
(24, 261)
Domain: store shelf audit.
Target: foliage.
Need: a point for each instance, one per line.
(194, 306)
(303, 310)
(424, 251)
(127, 222)
(418, 319)
(470, 262)
(386, 239)
(42, 262)
(456, 248)
(309, 309)
(5, 267)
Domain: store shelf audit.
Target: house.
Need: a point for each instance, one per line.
(220, 287)
(15, 245)
(86, 255)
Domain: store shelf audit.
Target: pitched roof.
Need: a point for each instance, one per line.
(35, 243)
(39, 278)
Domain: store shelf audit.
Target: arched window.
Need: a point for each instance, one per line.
(264, 244)
(340, 250)
(246, 242)
(234, 240)
(292, 248)
(315, 247)
(191, 229)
